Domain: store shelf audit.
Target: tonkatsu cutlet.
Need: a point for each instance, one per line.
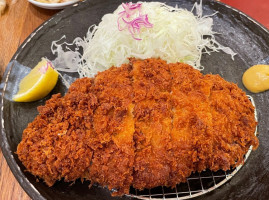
(153, 116)
(113, 124)
(144, 124)
(56, 145)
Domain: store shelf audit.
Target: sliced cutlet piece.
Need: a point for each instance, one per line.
(153, 117)
(192, 121)
(55, 145)
(113, 158)
(233, 123)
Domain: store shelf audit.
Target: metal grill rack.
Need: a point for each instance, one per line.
(197, 184)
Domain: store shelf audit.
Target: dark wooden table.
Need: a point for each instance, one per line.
(21, 18)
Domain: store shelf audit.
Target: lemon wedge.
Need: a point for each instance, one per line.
(38, 83)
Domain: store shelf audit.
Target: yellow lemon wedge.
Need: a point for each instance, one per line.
(38, 83)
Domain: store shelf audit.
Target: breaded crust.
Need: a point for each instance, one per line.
(144, 124)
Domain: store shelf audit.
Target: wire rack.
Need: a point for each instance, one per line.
(197, 184)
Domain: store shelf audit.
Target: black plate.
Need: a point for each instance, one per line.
(245, 36)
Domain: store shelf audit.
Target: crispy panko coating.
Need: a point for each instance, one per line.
(56, 144)
(233, 124)
(114, 127)
(144, 124)
(191, 119)
(152, 114)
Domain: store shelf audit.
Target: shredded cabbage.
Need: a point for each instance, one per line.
(177, 35)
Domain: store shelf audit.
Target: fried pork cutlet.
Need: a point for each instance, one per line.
(144, 124)
(56, 144)
(152, 116)
(233, 124)
(114, 128)
(191, 120)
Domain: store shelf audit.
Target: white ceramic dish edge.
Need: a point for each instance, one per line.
(53, 6)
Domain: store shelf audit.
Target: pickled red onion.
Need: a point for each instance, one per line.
(133, 23)
(130, 8)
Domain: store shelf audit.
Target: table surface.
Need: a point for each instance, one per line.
(21, 18)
